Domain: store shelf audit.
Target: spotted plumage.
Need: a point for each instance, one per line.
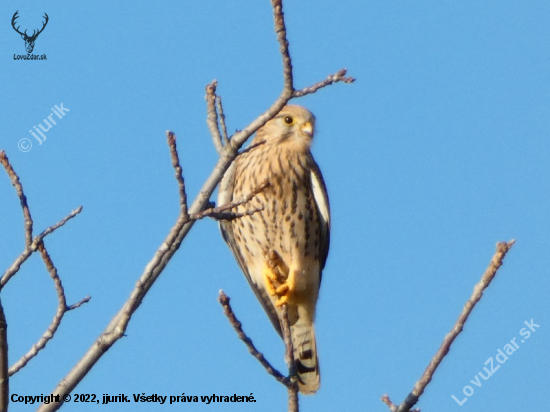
(282, 248)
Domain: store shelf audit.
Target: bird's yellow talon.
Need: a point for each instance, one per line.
(285, 290)
(276, 278)
(269, 278)
(281, 290)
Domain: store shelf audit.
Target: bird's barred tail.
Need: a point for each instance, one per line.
(305, 357)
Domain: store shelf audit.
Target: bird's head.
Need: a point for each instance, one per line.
(294, 125)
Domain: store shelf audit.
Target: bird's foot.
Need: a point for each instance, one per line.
(284, 291)
(270, 279)
(276, 276)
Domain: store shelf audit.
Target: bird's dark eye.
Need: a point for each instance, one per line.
(288, 120)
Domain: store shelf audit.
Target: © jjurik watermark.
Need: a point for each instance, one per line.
(501, 357)
(25, 144)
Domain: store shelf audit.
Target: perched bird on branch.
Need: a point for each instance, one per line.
(283, 247)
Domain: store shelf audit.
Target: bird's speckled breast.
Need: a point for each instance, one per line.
(288, 222)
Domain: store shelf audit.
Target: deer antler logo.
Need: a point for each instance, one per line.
(29, 40)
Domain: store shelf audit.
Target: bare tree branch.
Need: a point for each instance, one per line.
(212, 115)
(215, 117)
(289, 381)
(38, 239)
(339, 76)
(393, 408)
(218, 214)
(4, 377)
(30, 243)
(20, 194)
(221, 212)
(15, 266)
(79, 303)
(488, 276)
(292, 387)
(219, 107)
(280, 29)
(171, 137)
(237, 326)
(62, 308)
(386, 399)
(32, 247)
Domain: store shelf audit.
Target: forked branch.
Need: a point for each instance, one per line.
(62, 308)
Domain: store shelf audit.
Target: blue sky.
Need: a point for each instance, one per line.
(438, 150)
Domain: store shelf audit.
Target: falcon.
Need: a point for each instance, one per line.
(281, 242)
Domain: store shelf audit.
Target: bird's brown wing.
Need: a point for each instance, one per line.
(225, 196)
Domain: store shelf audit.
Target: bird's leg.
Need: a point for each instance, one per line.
(275, 273)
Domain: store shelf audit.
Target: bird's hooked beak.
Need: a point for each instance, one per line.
(307, 128)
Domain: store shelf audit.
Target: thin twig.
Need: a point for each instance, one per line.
(78, 304)
(386, 399)
(20, 194)
(171, 137)
(293, 405)
(4, 376)
(393, 408)
(251, 147)
(220, 212)
(237, 326)
(242, 136)
(227, 216)
(488, 276)
(219, 107)
(38, 239)
(239, 138)
(15, 266)
(212, 115)
(280, 29)
(339, 76)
